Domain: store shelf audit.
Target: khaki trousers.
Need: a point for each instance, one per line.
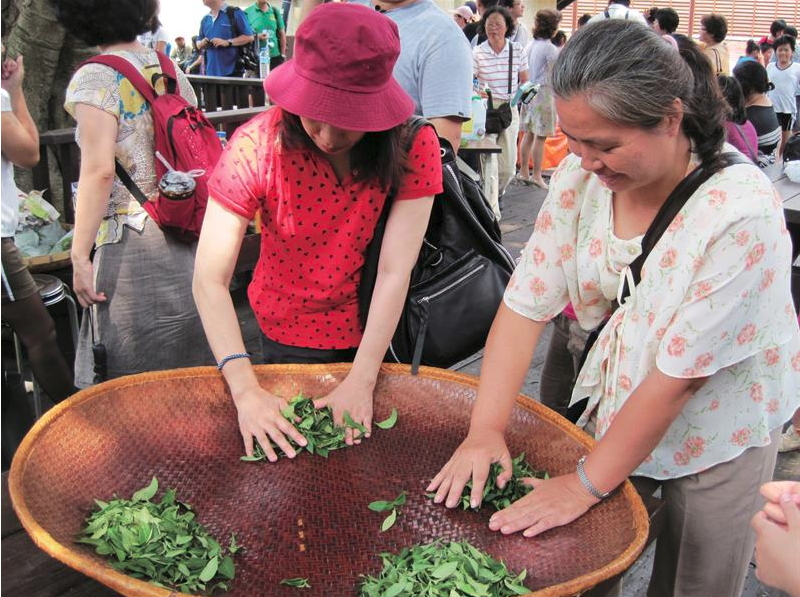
(498, 169)
(707, 543)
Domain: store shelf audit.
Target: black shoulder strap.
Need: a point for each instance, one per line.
(126, 179)
(231, 12)
(676, 200)
(510, 60)
(608, 14)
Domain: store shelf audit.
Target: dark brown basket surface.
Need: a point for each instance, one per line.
(306, 517)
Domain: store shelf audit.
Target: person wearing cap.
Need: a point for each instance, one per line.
(462, 15)
(318, 168)
(435, 64)
(181, 52)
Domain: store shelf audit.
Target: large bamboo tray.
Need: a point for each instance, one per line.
(307, 517)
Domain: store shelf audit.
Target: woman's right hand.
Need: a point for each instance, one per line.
(260, 418)
(83, 283)
(471, 460)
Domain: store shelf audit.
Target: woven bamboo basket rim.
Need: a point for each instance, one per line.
(49, 261)
(138, 588)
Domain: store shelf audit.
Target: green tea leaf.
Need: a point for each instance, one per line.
(380, 506)
(389, 521)
(444, 570)
(210, 569)
(300, 583)
(349, 422)
(390, 421)
(146, 493)
(396, 589)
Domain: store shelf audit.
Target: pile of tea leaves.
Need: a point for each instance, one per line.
(513, 490)
(160, 542)
(317, 426)
(441, 569)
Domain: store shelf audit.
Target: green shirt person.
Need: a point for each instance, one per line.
(267, 23)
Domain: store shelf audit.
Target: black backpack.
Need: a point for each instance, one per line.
(459, 278)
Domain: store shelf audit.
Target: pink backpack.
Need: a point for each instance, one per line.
(184, 141)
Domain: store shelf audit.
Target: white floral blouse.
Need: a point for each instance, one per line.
(104, 88)
(714, 301)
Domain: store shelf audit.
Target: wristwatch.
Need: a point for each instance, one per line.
(230, 43)
(587, 485)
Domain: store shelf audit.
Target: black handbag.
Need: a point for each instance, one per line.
(459, 278)
(676, 200)
(499, 119)
(247, 57)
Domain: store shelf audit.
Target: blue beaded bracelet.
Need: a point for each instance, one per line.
(230, 357)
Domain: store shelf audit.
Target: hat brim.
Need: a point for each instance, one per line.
(368, 112)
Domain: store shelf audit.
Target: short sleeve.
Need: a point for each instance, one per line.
(242, 24)
(6, 100)
(96, 85)
(237, 182)
(737, 304)
(445, 77)
(424, 176)
(538, 288)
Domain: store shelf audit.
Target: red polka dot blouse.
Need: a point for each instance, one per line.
(314, 230)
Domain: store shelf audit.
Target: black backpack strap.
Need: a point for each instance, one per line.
(674, 203)
(126, 179)
(231, 12)
(510, 60)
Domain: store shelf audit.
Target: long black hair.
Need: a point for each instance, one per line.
(380, 155)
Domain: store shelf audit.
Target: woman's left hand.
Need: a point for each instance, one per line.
(352, 398)
(553, 503)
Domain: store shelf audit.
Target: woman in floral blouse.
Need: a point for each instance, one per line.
(693, 376)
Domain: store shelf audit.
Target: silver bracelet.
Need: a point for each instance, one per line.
(587, 485)
(230, 357)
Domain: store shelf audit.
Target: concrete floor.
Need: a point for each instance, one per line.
(520, 206)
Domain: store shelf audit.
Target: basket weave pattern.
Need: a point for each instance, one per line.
(306, 517)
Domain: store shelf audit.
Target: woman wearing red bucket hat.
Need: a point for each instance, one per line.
(318, 168)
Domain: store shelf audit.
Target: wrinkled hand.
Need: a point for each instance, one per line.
(83, 283)
(13, 72)
(471, 460)
(777, 546)
(553, 503)
(352, 398)
(260, 417)
(772, 492)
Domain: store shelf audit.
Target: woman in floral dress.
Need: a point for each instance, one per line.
(693, 376)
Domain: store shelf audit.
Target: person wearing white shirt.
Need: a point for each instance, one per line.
(619, 9)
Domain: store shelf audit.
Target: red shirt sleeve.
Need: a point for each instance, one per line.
(238, 180)
(424, 176)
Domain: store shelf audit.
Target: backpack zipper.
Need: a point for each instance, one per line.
(453, 284)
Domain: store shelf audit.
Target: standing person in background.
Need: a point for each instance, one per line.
(267, 23)
(216, 39)
(760, 110)
(713, 29)
(23, 309)
(463, 16)
(739, 131)
(286, 9)
(517, 10)
(584, 19)
(194, 63)
(474, 31)
(133, 278)
(785, 78)
(666, 21)
(155, 38)
(318, 167)
(500, 65)
(619, 9)
(751, 52)
(776, 29)
(181, 52)
(538, 119)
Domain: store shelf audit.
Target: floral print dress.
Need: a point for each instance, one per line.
(714, 302)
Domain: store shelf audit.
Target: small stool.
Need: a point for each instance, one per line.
(53, 291)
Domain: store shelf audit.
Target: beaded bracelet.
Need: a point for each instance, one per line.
(230, 357)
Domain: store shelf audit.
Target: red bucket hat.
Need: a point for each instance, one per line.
(341, 71)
